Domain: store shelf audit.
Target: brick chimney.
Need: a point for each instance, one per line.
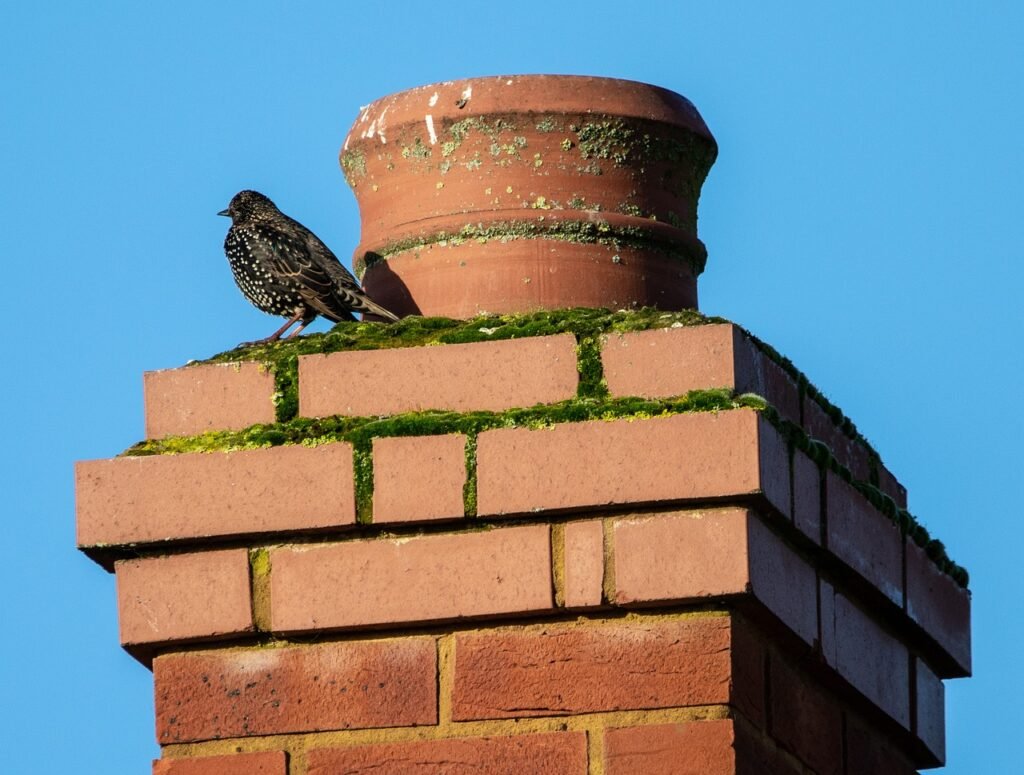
(561, 541)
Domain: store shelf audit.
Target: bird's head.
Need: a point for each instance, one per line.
(246, 206)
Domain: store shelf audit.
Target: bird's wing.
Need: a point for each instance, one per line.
(349, 292)
(290, 259)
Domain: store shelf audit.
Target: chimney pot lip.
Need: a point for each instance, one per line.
(530, 93)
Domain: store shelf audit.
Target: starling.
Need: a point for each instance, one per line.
(284, 269)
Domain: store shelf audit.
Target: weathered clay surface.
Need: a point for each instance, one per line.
(522, 192)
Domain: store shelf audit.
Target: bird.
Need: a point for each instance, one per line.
(284, 269)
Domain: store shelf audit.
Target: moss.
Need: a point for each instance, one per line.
(592, 402)
(469, 488)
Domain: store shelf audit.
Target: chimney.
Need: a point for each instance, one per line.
(546, 539)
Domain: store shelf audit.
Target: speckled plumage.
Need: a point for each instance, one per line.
(284, 269)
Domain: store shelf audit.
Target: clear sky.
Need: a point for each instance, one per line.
(863, 217)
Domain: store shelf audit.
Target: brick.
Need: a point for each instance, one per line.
(869, 752)
(584, 563)
(694, 748)
(567, 669)
(426, 578)
(701, 554)
(850, 453)
(262, 763)
(555, 753)
(930, 711)
(864, 538)
(749, 682)
(184, 596)
(941, 607)
(673, 361)
(872, 661)
(602, 463)
(888, 484)
(131, 500)
(807, 496)
(458, 377)
(206, 695)
(418, 478)
(806, 721)
(215, 396)
(779, 389)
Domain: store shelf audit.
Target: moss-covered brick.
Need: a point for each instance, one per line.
(591, 403)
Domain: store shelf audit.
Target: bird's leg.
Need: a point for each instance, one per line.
(277, 334)
(306, 320)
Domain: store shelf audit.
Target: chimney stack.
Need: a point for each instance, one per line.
(568, 541)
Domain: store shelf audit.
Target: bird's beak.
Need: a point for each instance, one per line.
(225, 213)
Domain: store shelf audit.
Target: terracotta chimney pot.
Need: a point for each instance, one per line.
(516, 193)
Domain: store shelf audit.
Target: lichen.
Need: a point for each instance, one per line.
(353, 165)
(596, 232)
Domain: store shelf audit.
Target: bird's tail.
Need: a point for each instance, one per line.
(373, 308)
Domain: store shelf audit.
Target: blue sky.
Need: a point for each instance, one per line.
(863, 217)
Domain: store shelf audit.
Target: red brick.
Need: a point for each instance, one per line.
(673, 361)
(888, 484)
(941, 607)
(749, 658)
(700, 554)
(807, 496)
(565, 669)
(601, 463)
(850, 453)
(184, 596)
(459, 377)
(426, 578)
(131, 500)
(262, 763)
(869, 752)
(870, 659)
(806, 721)
(558, 753)
(418, 478)
(694, 748)
(584, 563)
(864, 538)
(214, 396)
(779, 389)
(205, 695)
(930, 711)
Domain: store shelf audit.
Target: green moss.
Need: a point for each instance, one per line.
(592, 402)
(469, 488)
